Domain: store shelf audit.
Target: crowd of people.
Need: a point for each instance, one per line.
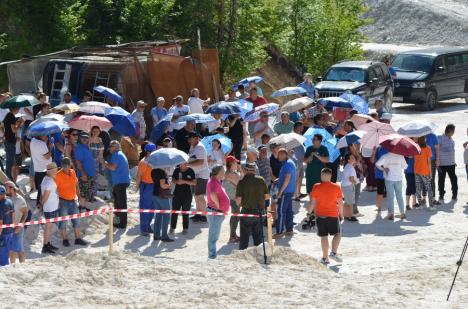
(69, 168)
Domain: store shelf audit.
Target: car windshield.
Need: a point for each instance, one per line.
(413, 63)
(345, 74)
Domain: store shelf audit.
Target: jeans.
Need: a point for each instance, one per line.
(161, 221)
(395, 188)
(181, 202)
(284, 220)
(250, 226)
(120, 202)
(146, 202)
(434, 171)
(68, 208)
(10, 151)
(443, 171)
(234, 221)
(214, 229)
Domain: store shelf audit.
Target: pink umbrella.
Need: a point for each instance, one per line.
(86, 122)
(399, 144)
(360, 119)
(375, 130)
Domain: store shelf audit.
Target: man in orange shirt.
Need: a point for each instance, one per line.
(326, 200)
(68, 190)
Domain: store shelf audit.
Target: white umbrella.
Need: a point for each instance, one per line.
(67, 108)
(93, 107)
(289, 140)
(417, 128)
(375, 130)
(297, 104)
(167, 157)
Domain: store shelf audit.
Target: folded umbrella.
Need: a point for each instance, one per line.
(360, 119)
(167, 157)
(67, 108)
(224, 108)
(226, 143)
(121, 120)
(22, 100)
(399, 144)
(288, 91)
(297, 104)
(357, 102)
(289, 140)
(375, 130)
(93, 107)
(417, 128)
(350, 138)
(160, 127)
(108, 92)
(86, 122)
(254, 115)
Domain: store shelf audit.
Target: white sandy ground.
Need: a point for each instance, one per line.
(386, 264)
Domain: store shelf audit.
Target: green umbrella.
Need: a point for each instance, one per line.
(21, 100)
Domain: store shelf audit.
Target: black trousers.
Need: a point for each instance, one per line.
(120, 202)
(334, 167)
(38, 177)
(237, 148)
(443, 171)
(181, 202)
(248, 227)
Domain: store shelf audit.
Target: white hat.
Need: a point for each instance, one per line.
(252, 150)
(386, 116)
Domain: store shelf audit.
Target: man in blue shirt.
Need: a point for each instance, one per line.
(86, 168)
(120, 175)
(433, 142)
(7, 216)
(286, 189)
(308, 85)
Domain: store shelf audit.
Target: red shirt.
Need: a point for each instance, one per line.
(258, 101)
(326, 194)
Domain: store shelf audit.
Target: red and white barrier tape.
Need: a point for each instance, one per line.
(104, 210)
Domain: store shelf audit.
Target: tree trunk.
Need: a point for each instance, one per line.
(221, 27)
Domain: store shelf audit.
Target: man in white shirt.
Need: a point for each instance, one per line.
(196, 104)
(199, 163)
(262, 127)
(41, 155)
(179, 108)
(67, 98)
(50, 204)
(138, 116)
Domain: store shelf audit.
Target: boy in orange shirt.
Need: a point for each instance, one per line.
(423, 173)
(326, 200)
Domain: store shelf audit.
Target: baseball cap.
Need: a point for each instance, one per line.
(160, 99)
(2, 189)
(230, 159)
(51, 166)
(150, 147)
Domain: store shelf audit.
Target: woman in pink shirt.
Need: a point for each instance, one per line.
(218, 201)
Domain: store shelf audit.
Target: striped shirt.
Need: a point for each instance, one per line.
(447, 150)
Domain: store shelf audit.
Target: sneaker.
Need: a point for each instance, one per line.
(185, 231)
(416, 206)
(171, 231)
(454, 198)
(403, 216)
(167, 239)
(66, 243)
(47, 250)
(296, 199)
(53, 247)
(80, 242)
(278, 235)
(195, 218)
(351, 219)
(436, 202)
(324, 261)
(233, 240)
(391, 217)
(302, 195)
(408, 207)
(335, 257)
(440, 201)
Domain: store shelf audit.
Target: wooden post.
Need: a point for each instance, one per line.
(111, 231)
(270, 231)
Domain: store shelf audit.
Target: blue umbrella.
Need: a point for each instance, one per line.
(160, 127)
(288, 91)
(226, 144)
(254, 115)
(108, 92)
(122, 121)
(245, 107)
(167, 157)
(224, 108)
(333, 153)
(309, 134)
(335, 102)
(198, 118)
(357, 102)
(350, 138)
(46, 128)
(247, 80)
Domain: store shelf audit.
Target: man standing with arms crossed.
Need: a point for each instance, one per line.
(326, 200)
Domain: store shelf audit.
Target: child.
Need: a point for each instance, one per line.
(423, 174)
(348, 186)
(410, 183)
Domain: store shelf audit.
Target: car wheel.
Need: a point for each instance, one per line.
(431, 100)
(388, 100)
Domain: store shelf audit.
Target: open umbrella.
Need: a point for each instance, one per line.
(160, 127)
(108, 92)
(357, 102)
(247, 80)
(86, 122)
(417, 128)
(375, 130)
(167, 157)
(224, 108)
(51, 116)
(399, 144)
(350, 138)
(288, 91)
(226, 143)
(46, 128)
(254, 115)
(333, 153)
(198, 118)
(22, 100)
(335, 102)
(360, 119)
(93, 107)
(122, 121)
(309, 134)
(297, 104)
(289, 140)
(67, 108)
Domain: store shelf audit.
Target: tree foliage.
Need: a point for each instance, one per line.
(314, 33)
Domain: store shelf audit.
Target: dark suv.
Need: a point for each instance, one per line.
(369, 79)
(427, 76)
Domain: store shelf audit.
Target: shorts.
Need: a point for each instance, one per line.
(16, 244)
(200, 187)
(349, 194)
(51, 214)
(273, 191)
(68, 208)
(410, 184)
(328, 226)
(5, 245)
(381, 190)
(18, 159)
